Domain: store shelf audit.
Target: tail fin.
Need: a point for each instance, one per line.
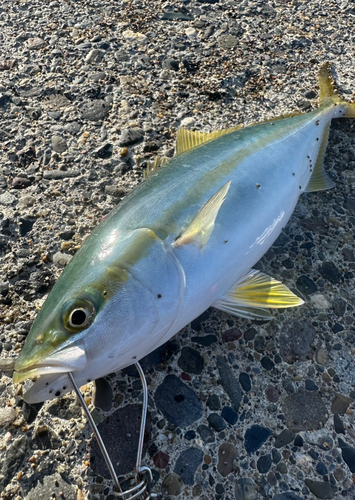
(328, 91)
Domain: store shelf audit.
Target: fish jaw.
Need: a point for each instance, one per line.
(71, 358)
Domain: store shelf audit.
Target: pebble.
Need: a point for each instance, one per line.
(245, 489)
(7, 416)
(231, 335)
(227, 454)
(187, 463)
(7, 199)
(95, 110)
(341, 403)
(320, 489)
(20, 183)
(172, 485)
(58, 144)
(216, 422)
(177, 402)
(245, 381)
(213, 402)
(255, 437)
(60, 174)
(131, 136)
(12, 460)
(61, 259)
(338, 425)
(284, 438)
(54, 486)
(94, 56)
(229, 415)
(348, 454)
(304, 410)
(264, 464)
(229, 383)
(287, 495)
(134, 37)
(191, 361)
(205, 433)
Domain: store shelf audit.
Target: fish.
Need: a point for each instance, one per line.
(185, 239)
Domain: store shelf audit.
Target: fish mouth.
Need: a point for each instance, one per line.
(69, 359)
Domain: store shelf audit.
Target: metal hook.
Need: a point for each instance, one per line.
(143, 475)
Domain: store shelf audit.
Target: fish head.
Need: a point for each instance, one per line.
(99, 319)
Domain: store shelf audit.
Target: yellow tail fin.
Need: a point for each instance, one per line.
(328, 91)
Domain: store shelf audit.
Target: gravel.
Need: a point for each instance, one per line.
(89, 93)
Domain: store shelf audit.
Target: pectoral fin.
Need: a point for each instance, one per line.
(201, 227)
(254, 294)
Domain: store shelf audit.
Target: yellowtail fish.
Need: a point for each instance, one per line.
(184, 240)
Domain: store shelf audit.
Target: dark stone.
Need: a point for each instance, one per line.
(321, 469)
(213, 402)
(25, 225)
(348, 454)
(264, 464)
(298, 441)
(276, 456)
(95, 110)
(131, 136)
(170, 63)
(172, 485)
(66, 235)
(196, 324)
(206, 341)
(304, 411)
(338, 425)
(320, 489)
(295, 345)
(267, 363)
(190, 435)
(20, 183)
(191, 361)
(231, 335)
(53, 486)
(161, 460)
(216, 422)
(330, 272)
(340, 404)
(226, 456)
(205, 433)
(348, 254)
(120, 427)
(310, 94)
(272, 394)
(60, 174)
(304, 104)
(250, 334)
(229, 382)
(178, 403)
(259, 343)
(349, 205)
(104, 151)
(245, 381)
(339, 306)
(187, 464)
(229, 415)
(103, 395)
(285, 437)
(255, 437)
(311, 386)
(306, 286)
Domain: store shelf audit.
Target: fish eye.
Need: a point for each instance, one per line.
(78, 317)
(78, 314)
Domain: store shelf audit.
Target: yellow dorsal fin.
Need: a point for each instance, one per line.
(328, 91)
(152, 166)
(326, 82)
(186, 139)
(201, 227)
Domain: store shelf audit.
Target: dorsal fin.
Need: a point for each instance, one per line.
(201, 226)
(152, 166)
(186, 139)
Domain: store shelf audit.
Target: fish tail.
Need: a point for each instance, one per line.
(329, 92)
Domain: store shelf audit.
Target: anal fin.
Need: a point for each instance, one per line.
(253, 295)
(319, 180)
